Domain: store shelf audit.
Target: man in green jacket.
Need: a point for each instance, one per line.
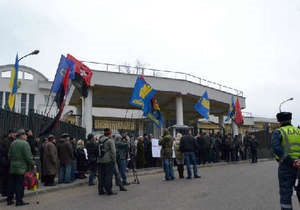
(21, 160)
(106, 164)
(166, 152)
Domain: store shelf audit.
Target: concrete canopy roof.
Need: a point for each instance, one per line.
(113, 90)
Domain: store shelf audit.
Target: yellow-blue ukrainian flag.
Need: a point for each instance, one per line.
(142, 94)
(231, 110)
(202, 106)
(13, 84)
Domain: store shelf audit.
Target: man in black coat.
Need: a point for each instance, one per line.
(92, 151)
(188, 147)
(5, 143)
(253, 148)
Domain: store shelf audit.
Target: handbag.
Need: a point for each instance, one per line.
(30, 180)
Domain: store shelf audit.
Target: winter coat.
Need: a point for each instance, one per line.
(65, 152)
(4, 162)
(188, 144)
(178, 153)
(20, 157)
(140, 155)
(92, 150)
(81, 155)
(110, 151)
(122, 148)
(166, 143)
(50, 159)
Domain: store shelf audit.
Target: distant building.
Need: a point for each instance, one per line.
(33, 92)
(251, 124)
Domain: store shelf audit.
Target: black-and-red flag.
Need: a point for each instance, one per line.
(83, 76)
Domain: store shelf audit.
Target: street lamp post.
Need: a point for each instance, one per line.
(290, 99)
(35, 52)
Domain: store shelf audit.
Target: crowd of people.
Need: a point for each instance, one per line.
(111, 154)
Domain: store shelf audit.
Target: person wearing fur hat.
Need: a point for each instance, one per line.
(286, 147)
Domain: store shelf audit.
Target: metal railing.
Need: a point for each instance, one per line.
(163, 74)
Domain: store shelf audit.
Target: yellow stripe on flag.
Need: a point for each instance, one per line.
(11, 101)
(12, 79)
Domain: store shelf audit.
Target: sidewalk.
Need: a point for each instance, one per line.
(141, 172)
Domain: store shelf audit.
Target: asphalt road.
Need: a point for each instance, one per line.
(234, 187)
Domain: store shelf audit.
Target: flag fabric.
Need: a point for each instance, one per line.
(231, 110)
(63, 66)
(239, 120)
(63, 91)
(82, 76)
(154, 113)
(13, 84)
(142, 95)
(60, 100)
(202, 106)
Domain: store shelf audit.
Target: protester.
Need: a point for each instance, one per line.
(32, 142)
(253, 148)
(166, 153)
(106, 164)
(179, 156)
(148, 150)
(82, 159)
(122, 149)
(50, 161)
(140, 155)
(5, 143)
(188, 146)
(21, 160)
(92, 151)
(65, 156)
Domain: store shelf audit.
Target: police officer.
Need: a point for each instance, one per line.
(286, 146)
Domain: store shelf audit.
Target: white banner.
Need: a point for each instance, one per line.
(156, 149)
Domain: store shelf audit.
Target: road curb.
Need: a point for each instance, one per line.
(140, 172)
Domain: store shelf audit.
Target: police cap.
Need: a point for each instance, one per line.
(284, 116)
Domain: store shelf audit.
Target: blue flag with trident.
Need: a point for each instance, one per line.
(202, 106)
(142, 94)
(231, 110)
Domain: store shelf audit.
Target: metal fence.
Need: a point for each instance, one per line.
(163, 74)
(36, 122)
(264, 144)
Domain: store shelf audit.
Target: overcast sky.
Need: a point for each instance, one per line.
(250, 45)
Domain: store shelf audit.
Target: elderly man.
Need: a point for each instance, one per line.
(21, 160)
(50, 161)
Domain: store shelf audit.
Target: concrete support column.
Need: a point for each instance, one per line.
(179, 110)
(221, 124)
(235, 128)
(141, 127)
(87, 115)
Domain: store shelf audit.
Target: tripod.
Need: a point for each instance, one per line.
(132, 165)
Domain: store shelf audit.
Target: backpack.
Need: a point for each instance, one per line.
(101, 150)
